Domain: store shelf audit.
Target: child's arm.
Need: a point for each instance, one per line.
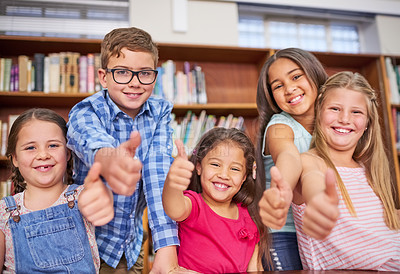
(95, 202)
(319, 193)
(119, 168)
(276, 200)
(2, 249)
(255, 264)
(176, 205)
(165, 260)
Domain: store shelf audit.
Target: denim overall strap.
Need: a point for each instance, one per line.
(52, 240)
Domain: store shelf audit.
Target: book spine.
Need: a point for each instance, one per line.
(38, 62)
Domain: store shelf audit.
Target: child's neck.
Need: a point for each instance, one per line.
(343, 158)
(307, 121)
(226, 210)
(36, 198)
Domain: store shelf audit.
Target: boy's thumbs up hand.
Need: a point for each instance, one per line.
(131, 145)
(180, 172)
(275, 202)
(322, 211)
(119, 167)
(96, 201)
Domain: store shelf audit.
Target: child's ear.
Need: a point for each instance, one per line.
(14, 160)
(68, 155)
(102, 77)
(198, 169)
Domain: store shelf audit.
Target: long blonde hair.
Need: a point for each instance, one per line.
(369, 151)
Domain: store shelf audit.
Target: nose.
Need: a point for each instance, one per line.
(290, 89)
(134, 81)
(223, 174)
(42, 154)
(344, 117)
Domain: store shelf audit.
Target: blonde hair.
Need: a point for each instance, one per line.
(369, 151)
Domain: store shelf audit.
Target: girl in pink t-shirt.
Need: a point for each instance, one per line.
(213, 199)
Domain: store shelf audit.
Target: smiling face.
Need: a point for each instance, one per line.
(128, 97)
(41, 154)
(291, 88)
(222, 173)
(344, 118)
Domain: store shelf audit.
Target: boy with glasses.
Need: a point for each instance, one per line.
(127, 131)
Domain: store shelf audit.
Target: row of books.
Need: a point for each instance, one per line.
(64, 72)
(396, 125)
(393, 75)
(181, 87)
(5, 188)
(5, 126)
(191, 127)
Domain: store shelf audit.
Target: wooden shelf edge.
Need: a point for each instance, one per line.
(40, 99)
(237, 109)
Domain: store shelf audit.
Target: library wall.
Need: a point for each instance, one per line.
(209, 22)
(388, 27)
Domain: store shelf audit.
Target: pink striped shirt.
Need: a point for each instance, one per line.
(362, 242)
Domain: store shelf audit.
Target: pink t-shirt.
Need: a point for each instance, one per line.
(211, 243)
(362, 242)
(9, 261)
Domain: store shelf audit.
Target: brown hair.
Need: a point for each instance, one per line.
(370, 151)
(132, 38)
(266, 104)
(250, 192)
(41, 114)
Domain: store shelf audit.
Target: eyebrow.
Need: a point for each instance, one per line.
(289, 72)
(216, 158)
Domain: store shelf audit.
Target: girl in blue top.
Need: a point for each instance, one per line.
(287, 89)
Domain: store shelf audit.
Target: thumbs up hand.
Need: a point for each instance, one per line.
(119, 168)
(322, 210)
(95, 202)
(275, 202)
(180, 172)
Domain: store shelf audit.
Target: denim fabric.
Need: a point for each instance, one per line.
(52, 240)
(284, 252)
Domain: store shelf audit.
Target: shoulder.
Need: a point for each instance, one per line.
(282, 117)
(281, 120)
(90, 104)
(310, 160)
(192, 194)
(159, 106)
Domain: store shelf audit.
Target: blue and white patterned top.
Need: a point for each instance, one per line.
(97, 122)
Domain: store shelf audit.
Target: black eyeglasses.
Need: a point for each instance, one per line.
(124, 76)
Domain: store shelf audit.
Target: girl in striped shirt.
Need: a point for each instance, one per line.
(352, 224)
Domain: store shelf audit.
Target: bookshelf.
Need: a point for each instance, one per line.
(231, 80)
(393, 124)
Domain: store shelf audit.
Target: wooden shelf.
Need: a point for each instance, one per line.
(237, 109)
(40, 99)
(231, 75)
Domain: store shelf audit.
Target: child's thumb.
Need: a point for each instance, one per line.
(330, 182)
(181, 149)
(93, 174)
(276, 177)
(132, 143)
